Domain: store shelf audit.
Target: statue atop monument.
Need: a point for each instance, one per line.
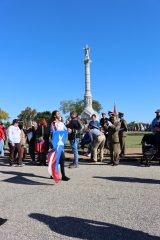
(88, 110)
(86, 52)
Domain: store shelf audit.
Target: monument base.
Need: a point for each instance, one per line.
(87, 113)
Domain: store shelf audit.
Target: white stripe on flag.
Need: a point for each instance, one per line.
(50, 159)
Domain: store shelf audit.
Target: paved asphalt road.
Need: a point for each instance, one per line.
(99, 202)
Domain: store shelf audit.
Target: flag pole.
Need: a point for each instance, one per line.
(115, 108)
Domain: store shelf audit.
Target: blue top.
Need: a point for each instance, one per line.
(155, 123)
(94, 123)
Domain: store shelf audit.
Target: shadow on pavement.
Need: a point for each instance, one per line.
(132, 159)
(2, 221)
(5, 161)
(130, 179)
(19, 178)
(89, 229)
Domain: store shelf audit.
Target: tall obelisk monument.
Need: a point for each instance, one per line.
(88, 110)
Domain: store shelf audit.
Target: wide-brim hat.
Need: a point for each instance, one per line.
(120, 114)
(157, 111)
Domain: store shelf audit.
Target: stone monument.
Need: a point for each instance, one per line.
(88, 110)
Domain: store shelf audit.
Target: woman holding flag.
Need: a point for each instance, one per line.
(58, 136)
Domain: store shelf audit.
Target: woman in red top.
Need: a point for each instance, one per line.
(2, 138)
(42, 135)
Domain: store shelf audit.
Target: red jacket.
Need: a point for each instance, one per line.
(2, 132)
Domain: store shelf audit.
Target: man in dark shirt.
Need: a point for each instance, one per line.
(74, 128)
(104, 120)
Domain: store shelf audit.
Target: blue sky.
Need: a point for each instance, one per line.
(41, 54)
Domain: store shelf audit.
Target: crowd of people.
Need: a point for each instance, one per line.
(139, 127)
(108, 133)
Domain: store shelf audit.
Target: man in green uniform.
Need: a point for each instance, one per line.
(113, 139)
(122, 134)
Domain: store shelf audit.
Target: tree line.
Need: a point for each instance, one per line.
(66, 106)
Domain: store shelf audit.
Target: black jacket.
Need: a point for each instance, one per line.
(33, 131)
(75, 125)
(42, 133)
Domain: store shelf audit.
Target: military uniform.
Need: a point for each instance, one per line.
(122, 134)
(113, 142)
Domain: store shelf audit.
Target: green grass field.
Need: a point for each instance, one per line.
(134, 139)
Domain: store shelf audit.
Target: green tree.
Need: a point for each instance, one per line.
(7, 124)
(45, 114)
(97, 106)
(67, 106)
(3, 115)
(27, 115)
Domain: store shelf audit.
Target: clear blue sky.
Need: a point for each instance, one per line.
(41, 54)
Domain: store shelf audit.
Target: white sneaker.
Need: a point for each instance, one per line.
(89, 155)
(21, 165)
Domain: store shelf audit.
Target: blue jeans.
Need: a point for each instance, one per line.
(2, 148)
(74, 145)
